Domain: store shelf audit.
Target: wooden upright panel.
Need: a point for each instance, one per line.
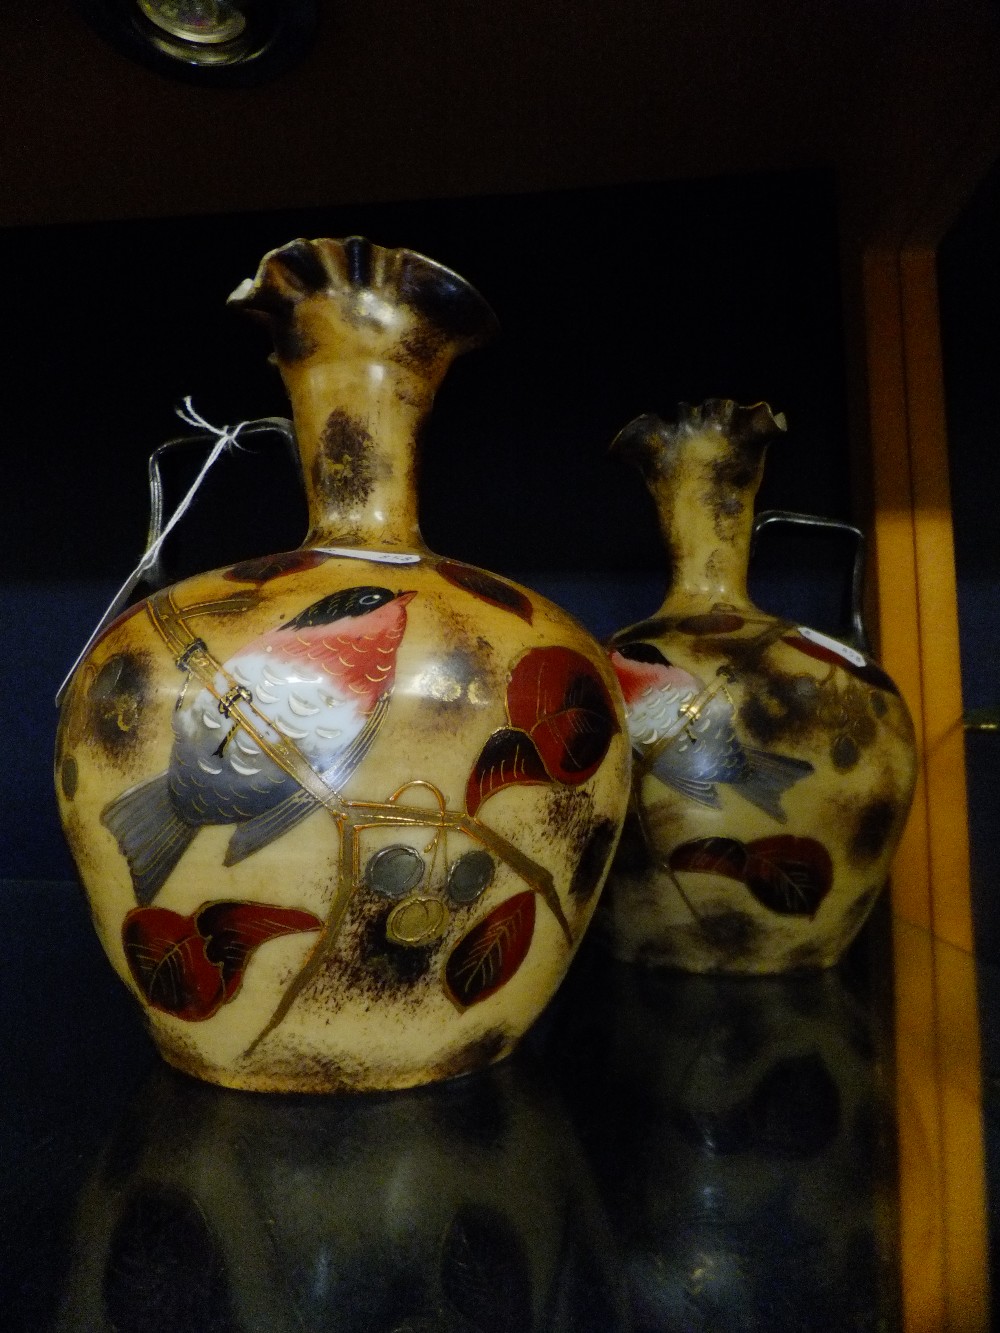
(914, 570)
(943, 737)
(942, 1198)
(894, 562)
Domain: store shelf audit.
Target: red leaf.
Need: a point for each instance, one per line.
(233, 930)
(712, 856)
(267, 567)
(562, 722)
(487, 587)
(789, 875)
(786, 874)
(711, 622)
(166, 956)
(559, 697)
(508, 756)
(488, 956)
(189, 966)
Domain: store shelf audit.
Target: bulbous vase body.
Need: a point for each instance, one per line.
(774, 765)
(343, 813)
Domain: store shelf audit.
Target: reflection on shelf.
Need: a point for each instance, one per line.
(460, 1207)
(670, 1153)
(738, 1131)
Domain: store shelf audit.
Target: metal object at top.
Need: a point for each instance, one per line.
(214, 43)
(203, 21)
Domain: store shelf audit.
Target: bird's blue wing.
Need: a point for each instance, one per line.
(264, 828)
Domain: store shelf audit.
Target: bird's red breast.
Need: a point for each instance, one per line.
(357, 653)
(636, 677)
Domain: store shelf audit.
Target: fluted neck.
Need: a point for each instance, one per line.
(703, 472)
(358, 425)
(363, 337)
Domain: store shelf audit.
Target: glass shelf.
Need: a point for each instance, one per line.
(665, 1152)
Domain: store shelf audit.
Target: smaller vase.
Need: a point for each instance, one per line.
(774, 765)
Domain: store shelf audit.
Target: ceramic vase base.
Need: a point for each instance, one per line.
(315, 1075)
(713, 936)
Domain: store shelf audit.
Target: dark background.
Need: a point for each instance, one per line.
(611, 302)
(969, 278)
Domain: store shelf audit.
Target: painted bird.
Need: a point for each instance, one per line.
(322, 680)
(704, 749)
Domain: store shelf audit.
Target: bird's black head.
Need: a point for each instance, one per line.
(642, 652)
(347, 602)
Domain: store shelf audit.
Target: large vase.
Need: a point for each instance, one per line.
(343, 813)
(775, 765)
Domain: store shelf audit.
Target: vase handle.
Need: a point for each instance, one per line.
(149, 570)
(769, 517)
(152, 572)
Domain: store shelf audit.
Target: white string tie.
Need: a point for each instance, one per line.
(226, 439)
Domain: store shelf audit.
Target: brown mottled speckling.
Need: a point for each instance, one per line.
(807, 957)
(730, 932)
(485, 1050)
(874, 826)
(593, 861)
(297, 1071)
(463, 658)
(589, 838)
(454, 678)
(345, 467)
(69, 776)
(780, 708)
(420, 347)
(116, 701)
(844, 753)
(182, 1052)
(736, 470)
(569, 815)
(366, 963)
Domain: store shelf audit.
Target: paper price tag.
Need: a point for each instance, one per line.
(383, 557)
(834, 645)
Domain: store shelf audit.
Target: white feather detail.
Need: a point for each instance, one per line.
(287, 729)
(297, 677)
(244, 770)
(213, 723)
(208, 768)
(302, 707)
